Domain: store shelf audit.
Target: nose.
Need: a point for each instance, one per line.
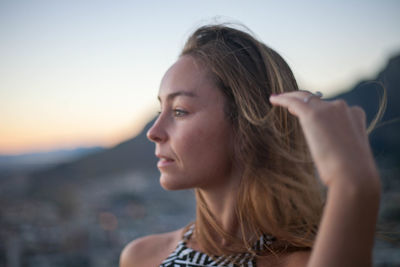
(157, 133)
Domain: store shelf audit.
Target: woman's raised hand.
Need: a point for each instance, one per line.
(335, 133)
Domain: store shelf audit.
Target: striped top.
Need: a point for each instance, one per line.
(184, 256)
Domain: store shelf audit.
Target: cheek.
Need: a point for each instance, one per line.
(208, 145)
(192, 143)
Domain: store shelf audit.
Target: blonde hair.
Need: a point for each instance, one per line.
(279, 193)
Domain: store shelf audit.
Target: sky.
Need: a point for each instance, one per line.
(86, 73)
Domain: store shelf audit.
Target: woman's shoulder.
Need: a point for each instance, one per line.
(298, 258)
(293, 259)
(150, 250)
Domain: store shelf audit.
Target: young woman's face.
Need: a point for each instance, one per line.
(193, 137)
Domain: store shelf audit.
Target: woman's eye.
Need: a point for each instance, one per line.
(179, 112)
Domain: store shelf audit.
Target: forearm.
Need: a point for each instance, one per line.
(346, 233)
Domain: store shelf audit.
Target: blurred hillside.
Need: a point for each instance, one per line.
(33, 161)
(136, 154)
(82, 212)
(384, 139)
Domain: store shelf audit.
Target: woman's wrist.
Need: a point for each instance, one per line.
(358, 172)
(362, 183)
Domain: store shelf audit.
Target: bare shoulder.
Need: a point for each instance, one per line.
(150, 250)
(293, 259)
(298, 258)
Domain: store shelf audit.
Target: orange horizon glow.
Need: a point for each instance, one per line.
(17, 141)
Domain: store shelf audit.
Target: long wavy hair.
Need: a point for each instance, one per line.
(279, 193)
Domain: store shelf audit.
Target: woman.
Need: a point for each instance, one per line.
(234, 126)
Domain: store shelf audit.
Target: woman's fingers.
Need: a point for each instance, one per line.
(296, 102)
(335, 132)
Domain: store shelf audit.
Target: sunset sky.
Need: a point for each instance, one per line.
(83, 73)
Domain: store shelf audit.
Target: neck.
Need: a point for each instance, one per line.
(222, 202)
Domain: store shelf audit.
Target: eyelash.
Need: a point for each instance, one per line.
(177, 112)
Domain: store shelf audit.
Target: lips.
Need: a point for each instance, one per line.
(164, 161)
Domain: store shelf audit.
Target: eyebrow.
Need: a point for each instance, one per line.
(171, 96)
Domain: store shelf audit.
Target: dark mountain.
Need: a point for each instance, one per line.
(44, 159)
(135, 154)
(385, 138)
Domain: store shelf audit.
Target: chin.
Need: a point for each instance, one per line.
(171, 184)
